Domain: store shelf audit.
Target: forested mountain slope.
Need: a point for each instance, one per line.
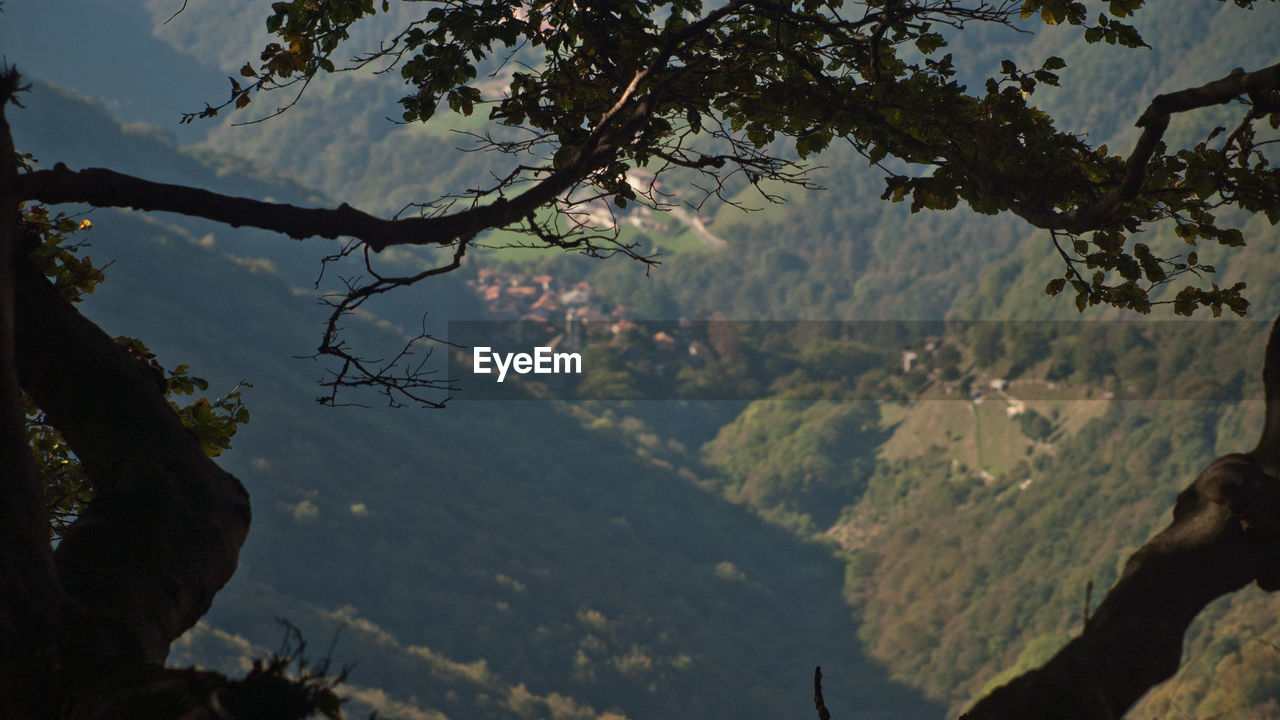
(843, 253)
(589, 558)
(491, 560)
(971, 543)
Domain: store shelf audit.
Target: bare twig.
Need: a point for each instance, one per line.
(823, 713)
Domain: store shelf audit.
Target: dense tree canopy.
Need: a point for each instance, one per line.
(740, 92)
(663, 85)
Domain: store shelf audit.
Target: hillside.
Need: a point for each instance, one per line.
(922, 529)
(476, 578)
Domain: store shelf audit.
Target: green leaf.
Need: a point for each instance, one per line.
(694, 118)
(1200, 180)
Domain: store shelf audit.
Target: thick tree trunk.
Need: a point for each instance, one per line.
(30, 598)
(161, 536)
(1223, 536)
(165, 526)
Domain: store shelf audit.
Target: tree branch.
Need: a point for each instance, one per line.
(1153, 122)
(1134, 640)
(818, 701)
(107, 188)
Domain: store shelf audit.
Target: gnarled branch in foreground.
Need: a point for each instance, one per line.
(162, 534)
(1225, 534)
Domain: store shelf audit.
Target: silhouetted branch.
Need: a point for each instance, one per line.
(1225, 534)
(1153, 122)
(823, 713)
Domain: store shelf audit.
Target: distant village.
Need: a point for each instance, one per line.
(567, 309)
(540, 298)
(545, 299)
(570, 311)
